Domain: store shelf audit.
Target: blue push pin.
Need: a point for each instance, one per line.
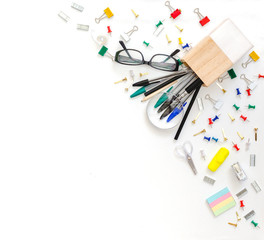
(215, 118)
(215, 139)
(185, 46)
(238, 92)
(207, 138)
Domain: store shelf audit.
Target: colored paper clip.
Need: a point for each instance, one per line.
(63, 16)
(77, 7)
(252, 57)
(250, 84)
(83, 27)
(217, 103)
(126, 35)
(174, 13)
(203, 20)
(107, 13)
(240, 174)
(159, 28)
(230, 73)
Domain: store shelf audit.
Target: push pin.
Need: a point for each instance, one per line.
(216, 118)
(126, 35)
(180, 29)
(252, 57)
(244, 118)
(203, 20)
(225, 138)
(255, 224)
(260, 76)
(159, 28)
(210, 121)
(136, 15)
(231, 73)
(169, 41)
(256, 134)
(238, 218)
(241, 137)
(143, 74)
(217, 103)
(180, 41)
(223, 90)
(250, 84)
(194, 121)
(233, 224)
(207, 138)
(174, 13)
(203, 155)
(122, 80)
(242, 204)
(215, 139)
(232, 118)
(248, 92)
(132, 75)
(251, 106)
(248, 144)
(107, 13)
(235, 146)
(238, 92)
(109, 30)
(203, 131)
(236, 107)
(146, 43)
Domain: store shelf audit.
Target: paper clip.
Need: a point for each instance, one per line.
(126, 35)
(217, 103)
(231, 73)
(174, 13)
(109, 30)
(83, 27)
(63, 16)
(252, 161)
(203, 20)
(249, 215)
(256, 186)
(252, 57)
(159, 28)
(209, 180)
(242, 193)
(136, 15)
(250, 84)
(107, 13)
(240, 174)
(77, 7)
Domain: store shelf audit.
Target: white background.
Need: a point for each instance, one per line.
(79, 159)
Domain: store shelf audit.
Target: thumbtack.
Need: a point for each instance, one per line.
(174, 13)
(236, 107)
(233, 224)
(241, 137)
(136, 15)
(109, 30)
(244, 118)
(186, 46)
(248, 92)
(252, 57)
(242, 204)
(251, 106)
(194, 121)
(147, 44)
(232, 118)
(215, 118)
(199, 132)
(260, 76)
(143, 74)
(255, 224)
(122, 80)
(223, 132)
(169, 41)
(210, 121)
(235, 146)
(248, 144)
(215, 139)
(223, 90)
(159, 28)
(180, 29)
(238, 91)
(203, 20)
(238, 218)
(256, 134)
(104, 51)
(180, 41)
(231, 73)
(107, 13)
(132, 76)
(207, 138)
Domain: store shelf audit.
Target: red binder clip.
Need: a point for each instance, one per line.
(203, 20)
(174, 13)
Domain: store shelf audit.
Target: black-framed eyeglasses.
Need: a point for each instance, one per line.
(159, 61)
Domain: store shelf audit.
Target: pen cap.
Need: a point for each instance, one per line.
(216, 53)
(218, 159)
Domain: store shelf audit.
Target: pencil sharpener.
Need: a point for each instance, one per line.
(240, 174)
(217, 53)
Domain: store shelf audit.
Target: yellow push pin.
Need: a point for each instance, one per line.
(252, 57)
(143, 74)
(169, 41)
(225, 138)
(136, 15)
(180, 29)
(241, 137)
(238, 218)
(180, 41)
(194, 121)
(223, 90)
(107, 13)
(232, 118)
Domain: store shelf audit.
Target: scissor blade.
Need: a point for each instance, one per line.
(190, 161)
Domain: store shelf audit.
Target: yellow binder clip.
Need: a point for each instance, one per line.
(107, 13)
(252, 57)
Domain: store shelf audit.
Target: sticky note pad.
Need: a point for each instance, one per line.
(221, 201)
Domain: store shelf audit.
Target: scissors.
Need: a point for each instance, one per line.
(185, 151)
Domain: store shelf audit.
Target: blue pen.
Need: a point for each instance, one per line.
(175, 112)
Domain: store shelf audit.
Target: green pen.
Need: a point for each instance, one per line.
(163, 98)
(141, 90)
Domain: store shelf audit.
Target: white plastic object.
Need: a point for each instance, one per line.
(63, 16)
(77, 7)
(83, 27)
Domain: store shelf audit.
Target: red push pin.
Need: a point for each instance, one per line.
(203, 20)
(210, 121)
(109, 30)
(248, 92)
(243, 117)
(260, 76)
(235, 146)
(242, 204)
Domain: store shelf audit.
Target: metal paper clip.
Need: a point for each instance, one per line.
(230, 73)
(240, 174)
(252, 160)
(217, 103)
(83, 27)
(77, 7)
(174, 13)
(209, 180)
(252, 57)
(63, 16)
(126, 35)
(242, 193)
(107, 13)
(256, 186)
(250, 84)
(203, 20)
(249, 215)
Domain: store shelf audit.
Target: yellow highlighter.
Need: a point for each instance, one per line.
(218, 159)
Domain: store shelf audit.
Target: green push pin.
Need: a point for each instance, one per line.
(251, 106)
(163, 98)
(255, 224)
(180, 62)
(159, 23)
(147, 44)
(236, 107)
